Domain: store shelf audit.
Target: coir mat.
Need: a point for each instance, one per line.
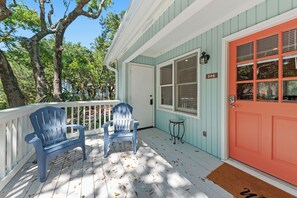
(243, 185)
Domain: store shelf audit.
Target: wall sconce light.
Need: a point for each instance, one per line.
(204, 58)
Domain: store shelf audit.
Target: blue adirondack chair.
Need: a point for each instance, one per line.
(49, 137)
(122, 120)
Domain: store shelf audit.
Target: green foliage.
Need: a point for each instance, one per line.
(22, 18)
(83, 70)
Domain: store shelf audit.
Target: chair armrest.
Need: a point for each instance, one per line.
(80, 128)
(136, 124)
(33, 139)
(105, 126)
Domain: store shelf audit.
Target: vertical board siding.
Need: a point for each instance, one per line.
(242, 21)
(210, 90)
(251, 17)
(144, 60)
(272, 8)
(261, 12)
(285, 5)
(294, 3)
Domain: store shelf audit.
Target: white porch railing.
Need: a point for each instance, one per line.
(15, 125)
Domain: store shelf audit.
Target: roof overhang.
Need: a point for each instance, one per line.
(140, 15)
(199, 17)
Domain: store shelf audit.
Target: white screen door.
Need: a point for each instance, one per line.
(141, 93)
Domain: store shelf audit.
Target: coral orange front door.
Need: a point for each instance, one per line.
(263, 101)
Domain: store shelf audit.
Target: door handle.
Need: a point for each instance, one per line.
(151, 101)
(232, 100)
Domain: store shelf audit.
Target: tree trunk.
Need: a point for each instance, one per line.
(10, 84)
(4, 11)
(82, 92)
(38, 71)
(58, 66)
(110, 92)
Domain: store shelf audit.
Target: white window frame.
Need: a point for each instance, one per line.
(173, 108)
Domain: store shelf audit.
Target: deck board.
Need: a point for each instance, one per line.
(159, 169)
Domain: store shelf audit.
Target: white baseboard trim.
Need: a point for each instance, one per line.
(289, 188)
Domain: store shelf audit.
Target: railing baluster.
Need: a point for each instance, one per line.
(90, 117)
(71, 120)
(2, 150)
(9, 146)
(21, 141)
(78, 115)
(104, 113)
(100, 116)
(84, 116)
(14, 141)
(95, 117)
(109, 112)
(66, 113)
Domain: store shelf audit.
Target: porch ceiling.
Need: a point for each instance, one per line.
(213, 14)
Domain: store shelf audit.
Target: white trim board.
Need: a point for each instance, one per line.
(182, 17)
(224, 81)
(154, 86)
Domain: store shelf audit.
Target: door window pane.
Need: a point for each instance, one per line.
(166, 95)
(245, 52)
(290, 91)
(267, 46)
(245, 72)
(267, 69)
(245, 91)
(267, 91)
(289, 67)
(166, 75)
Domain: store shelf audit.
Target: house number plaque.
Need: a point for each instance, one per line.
(212, 75)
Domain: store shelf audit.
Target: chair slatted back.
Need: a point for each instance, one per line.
(49, 124)
(122, 115)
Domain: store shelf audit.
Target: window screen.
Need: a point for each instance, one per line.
(166, 75)
(290, 40)
(186, 84)
(267, 46)
(166, 85)
(245, 52)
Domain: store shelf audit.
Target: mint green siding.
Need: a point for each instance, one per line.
(210, 90)
(144, 60)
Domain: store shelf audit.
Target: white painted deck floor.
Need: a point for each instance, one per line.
(159, 169)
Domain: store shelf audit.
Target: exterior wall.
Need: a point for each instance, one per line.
(144, 60)
(169, 14)
(210, 90)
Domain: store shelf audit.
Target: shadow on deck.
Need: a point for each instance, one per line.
(159, 169)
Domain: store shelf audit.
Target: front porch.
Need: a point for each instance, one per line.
(159, 169)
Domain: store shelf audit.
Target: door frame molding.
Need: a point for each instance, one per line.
(153, 84)
(224, 100)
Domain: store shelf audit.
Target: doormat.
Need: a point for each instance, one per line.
(243, 185)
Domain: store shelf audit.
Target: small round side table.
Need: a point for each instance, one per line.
(172, 124)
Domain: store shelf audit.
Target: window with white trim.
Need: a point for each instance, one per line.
(178, 85)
